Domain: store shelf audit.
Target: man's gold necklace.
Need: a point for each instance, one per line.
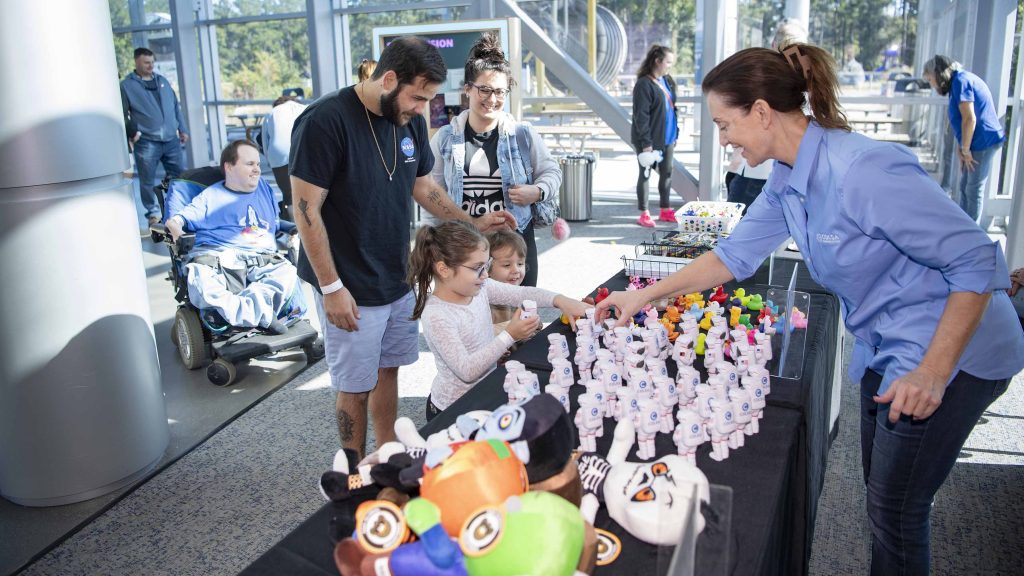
(394, 132)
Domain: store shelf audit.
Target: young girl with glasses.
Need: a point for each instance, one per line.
(456, 314)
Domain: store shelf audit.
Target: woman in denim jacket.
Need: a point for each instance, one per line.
(479, 157)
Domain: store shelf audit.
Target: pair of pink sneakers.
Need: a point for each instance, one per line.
(666, 215)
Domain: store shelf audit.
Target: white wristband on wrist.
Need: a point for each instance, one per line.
(332, 287)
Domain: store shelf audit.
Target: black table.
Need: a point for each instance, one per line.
(776, 477)
(810, 397)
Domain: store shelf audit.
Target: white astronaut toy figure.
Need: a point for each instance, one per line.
(596, 327)
(763, 348)
(557, 347)
(728, 372)
(561, 374)
(641, 382)
(689, 327)
(584, 327)
(713, 354)
(689, 434)
(585, 355)
(608, 336)
(668, 399)
(742, 412)
(603, 358)
(561, 394)
(512, 367)
(722, 427)
(687, 380)
(682, 350)
(627, 404)
(612, 383)
(597, 389)
(753, 385)
(648, 425)
(656, 367)
(633, 362)
(636, 348)
(589, 422)
(703, 401)
(527, 385)
(761, 373)
(623, 337)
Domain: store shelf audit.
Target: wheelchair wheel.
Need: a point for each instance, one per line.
(221, 372)
(189, 338)
(314, 351)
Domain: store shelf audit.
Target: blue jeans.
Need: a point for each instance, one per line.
(972, 184)
(906, 463)
(745, 190)
(148, 155)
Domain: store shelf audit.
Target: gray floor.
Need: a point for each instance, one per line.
(223, 504)
(195, 410)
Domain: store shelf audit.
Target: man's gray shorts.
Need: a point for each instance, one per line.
(386, 338)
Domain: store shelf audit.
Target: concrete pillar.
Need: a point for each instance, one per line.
(81, 408)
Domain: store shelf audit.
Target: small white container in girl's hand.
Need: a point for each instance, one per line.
(529, 309)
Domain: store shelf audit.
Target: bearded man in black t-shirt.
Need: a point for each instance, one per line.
(357, 154)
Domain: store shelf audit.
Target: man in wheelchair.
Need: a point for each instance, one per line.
(234, 270)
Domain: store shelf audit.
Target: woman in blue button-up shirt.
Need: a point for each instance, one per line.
(923, 288)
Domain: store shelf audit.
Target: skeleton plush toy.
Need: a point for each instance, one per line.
(648, 499)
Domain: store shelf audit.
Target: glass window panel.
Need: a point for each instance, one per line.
(361, 26)
(259, 60)
(627, 28)
(235, 8)
(119, 13)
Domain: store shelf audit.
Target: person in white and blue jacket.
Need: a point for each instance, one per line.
(480, 160)
(923, 288)
(160, 128)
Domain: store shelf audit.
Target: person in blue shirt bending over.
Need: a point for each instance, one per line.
(235, 268)
(923, 288)
(976, 125)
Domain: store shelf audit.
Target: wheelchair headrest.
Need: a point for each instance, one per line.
(181, 190)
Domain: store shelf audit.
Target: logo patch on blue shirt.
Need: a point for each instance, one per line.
(408, 148)
(827, 238)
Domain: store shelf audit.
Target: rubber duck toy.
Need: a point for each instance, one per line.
(602, 293)
(799, 318)
(719, 296)
(734, 316)
(754, 303)
(699, 347)
(672, 313)
(705, 323)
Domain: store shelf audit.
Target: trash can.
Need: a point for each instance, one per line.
(577, 186)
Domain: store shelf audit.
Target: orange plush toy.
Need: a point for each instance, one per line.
(476, 474)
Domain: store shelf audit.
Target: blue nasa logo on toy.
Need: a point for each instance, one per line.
(695, 428)
(652, 416)
(567, 371)
(746, 406)
(671, 389)
(615, 377)
(408, 148)
(758, 392)
(728, 416)
(593, 411)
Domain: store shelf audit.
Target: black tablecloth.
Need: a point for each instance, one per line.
(776, 477)
(810, 397)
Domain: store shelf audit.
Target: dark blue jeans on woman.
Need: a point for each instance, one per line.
(905, 464)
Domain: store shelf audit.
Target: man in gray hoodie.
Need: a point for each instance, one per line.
(153, 108)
